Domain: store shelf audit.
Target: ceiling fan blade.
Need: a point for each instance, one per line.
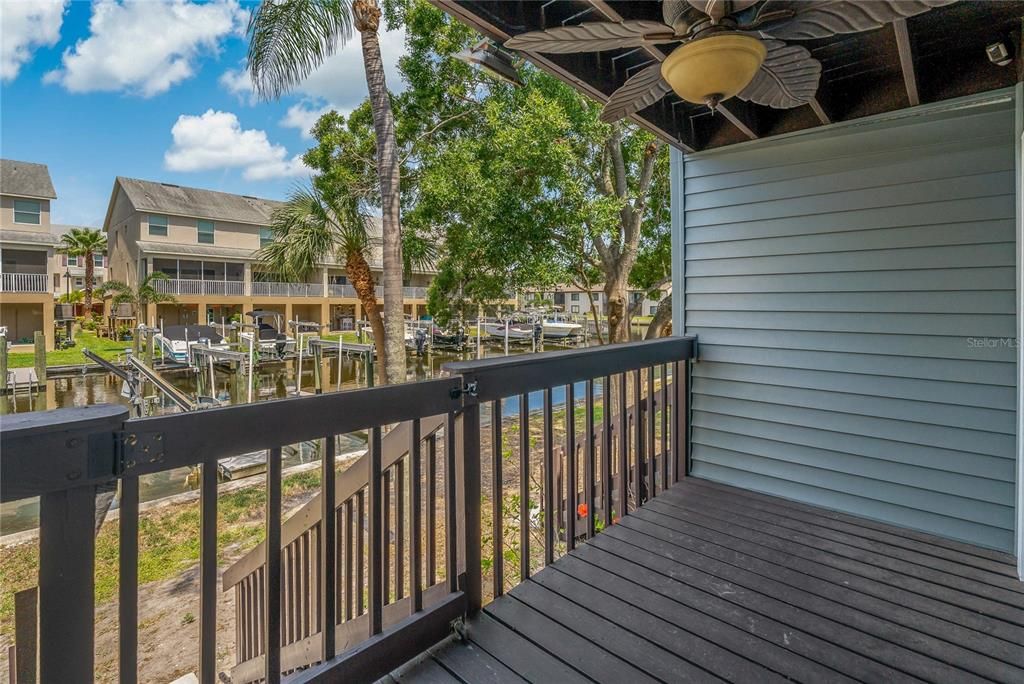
(788, 78)
(591, 37)
(719, 9)
(640, 91)
(824, 18)
(680, 15)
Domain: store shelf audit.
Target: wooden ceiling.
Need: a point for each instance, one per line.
(934, 56)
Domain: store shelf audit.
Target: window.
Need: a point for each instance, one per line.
(653, 309)
(56, 281)
(205, 232)
(157, 225)
(575, 296)
(72, 260)
(266, 236)
(27, 211)
(575, 308)
(97, 260)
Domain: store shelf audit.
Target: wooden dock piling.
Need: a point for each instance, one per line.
(40, 356)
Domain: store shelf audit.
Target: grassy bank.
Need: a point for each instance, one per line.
(108, 349)
(168, 542)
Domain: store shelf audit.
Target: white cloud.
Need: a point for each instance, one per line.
(303, 116)
(24, 26)
(146, 47)
(340, 81)
(216, 140)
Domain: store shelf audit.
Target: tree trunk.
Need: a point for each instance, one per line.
(661, 324)
(89, 272)
(359, 274)
(367, 20)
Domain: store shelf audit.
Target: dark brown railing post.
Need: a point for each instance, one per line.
(67, 584)
(469, 466)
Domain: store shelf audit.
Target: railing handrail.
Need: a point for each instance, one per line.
(24, 282)
(504, 376)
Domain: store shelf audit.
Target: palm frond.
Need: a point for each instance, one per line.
(308, 228)
(289, 39)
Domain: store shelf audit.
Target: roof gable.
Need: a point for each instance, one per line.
(167, 198)
(26, 179)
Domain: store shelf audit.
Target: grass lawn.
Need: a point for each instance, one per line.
(349, 336)
(108, 349)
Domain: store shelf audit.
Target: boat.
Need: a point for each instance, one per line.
(175, 340)
(557, 327)
(516, 329)
(268, 326)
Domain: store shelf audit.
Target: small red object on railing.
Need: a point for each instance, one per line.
(582, 510)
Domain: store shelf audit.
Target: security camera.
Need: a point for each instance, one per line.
(998, 54)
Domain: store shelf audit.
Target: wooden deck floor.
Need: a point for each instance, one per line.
(714, 583)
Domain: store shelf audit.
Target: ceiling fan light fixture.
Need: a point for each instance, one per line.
(712, 69)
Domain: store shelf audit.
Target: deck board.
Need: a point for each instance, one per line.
(709, 582)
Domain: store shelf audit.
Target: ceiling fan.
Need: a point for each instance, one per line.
(730, 48)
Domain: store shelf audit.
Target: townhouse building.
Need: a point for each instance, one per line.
(207, 243)
(27, 251)
(573, 299)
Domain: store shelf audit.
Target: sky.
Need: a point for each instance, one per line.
(157, 89)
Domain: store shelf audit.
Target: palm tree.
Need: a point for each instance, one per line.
(140, 297)
(291, 38)
(307, 229)
(85, 243)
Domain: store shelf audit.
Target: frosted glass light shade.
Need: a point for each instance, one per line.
(715, 68)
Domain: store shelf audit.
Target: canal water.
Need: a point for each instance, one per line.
(272, 381)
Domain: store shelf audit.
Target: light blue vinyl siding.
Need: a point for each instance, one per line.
(853, 291)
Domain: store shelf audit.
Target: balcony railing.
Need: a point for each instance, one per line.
(187, 286)
(389, 553)
(341, 290)
(24, 282)
(273, 289)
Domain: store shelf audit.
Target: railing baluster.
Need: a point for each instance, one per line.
(378, 571)
(638, 439)
(416, 520)
(524, 486)
(588, 462)
(272, 588)
(652, 459)
(328, 545)
(549, 481)
(664, 427)
(571, 480)
(128, 579)
(497, 500)
(400, 529)
(451, 506)
(350, 586)
(360, 551)
(432, 510)
(606, 450)
(208, 590)
(386, 538)
(623, 446)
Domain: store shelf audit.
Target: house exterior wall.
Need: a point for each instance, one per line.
(7, 214)
(853, 291)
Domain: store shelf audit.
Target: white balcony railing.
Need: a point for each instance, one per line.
(339, 290)
(25, 282)
(415, 292)
(287, 289)
(188, 286)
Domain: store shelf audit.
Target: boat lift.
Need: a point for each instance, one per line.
(133, 377)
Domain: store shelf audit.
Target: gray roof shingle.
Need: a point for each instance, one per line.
(25, 179)
(167, 198)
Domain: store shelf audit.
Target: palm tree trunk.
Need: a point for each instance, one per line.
(89, 266)
(367, 20)
(358, 272)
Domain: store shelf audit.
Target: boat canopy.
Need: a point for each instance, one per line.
(194, 332)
